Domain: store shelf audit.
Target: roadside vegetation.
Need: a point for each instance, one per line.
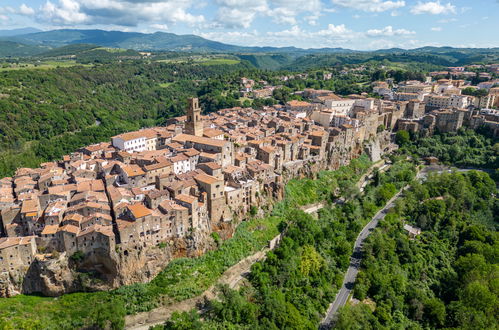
(444, 278)
(292, 288)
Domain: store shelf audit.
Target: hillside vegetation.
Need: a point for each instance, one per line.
(446, 277)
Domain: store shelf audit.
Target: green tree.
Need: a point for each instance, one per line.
(402, 138)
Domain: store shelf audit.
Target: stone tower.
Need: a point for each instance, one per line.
(194, 123)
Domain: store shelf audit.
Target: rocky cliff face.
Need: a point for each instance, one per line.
(56, 274)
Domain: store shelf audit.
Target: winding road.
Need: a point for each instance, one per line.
(353, 269)
(351, 274)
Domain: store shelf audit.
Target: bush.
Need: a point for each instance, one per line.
(78, 256)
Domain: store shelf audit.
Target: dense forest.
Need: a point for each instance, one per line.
(444, 278)
(464, 148)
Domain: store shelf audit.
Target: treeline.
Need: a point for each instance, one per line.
(293, 286)
(444, 278)
(463, 148)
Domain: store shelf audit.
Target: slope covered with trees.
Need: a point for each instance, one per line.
(446, 277)
(465, 147)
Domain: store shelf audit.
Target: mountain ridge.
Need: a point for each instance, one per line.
(165, 41)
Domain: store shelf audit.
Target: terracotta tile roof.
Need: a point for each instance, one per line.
(211, 132)
(50, 230)
(30, 206)
(133, 170)
(201, 140)
(70, 229)
(130, 136)
(179, 158)
(104, 230)
(6, 242)
(191, 152)
(208, 179)
(186, 198)
(212, 165)
(139, 210)
(157, 166)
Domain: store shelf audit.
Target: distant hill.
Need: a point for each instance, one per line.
(158, 41)
(16, 49)
(68, 50)
(127, 40)
(16, 32)
(72, 41)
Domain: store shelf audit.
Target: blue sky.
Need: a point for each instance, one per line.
(354, 24)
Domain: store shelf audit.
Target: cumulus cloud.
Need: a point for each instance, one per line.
(375, 6)
(118, 12)
(161, 27)
(436, 28)
(335, 31)
(331, 36)
(388, 31)
(434, 8)
(66, 12)
(241, 13)
(295, 31)
(25, 10)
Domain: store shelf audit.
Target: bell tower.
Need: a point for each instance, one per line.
(194, 123)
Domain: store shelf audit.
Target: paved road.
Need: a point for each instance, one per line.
(353, 269)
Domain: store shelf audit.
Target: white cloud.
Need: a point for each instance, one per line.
(241, 13)
(235, 18)
(434, 8)
(436, 28)
(118, 12)
(447, 20)
(25, 10)
(295, 31)
(334, 31)
(388, 31)
(67, 12)
(161, 27)
(376, 6)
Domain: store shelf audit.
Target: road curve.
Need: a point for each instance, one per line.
(353, 269)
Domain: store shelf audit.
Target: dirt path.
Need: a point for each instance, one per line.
(232, 277)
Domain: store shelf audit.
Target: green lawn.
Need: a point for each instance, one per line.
(219, 61)
(164, 85)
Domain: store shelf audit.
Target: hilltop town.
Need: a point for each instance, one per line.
(122, 209)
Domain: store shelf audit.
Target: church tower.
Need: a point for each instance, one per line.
(194, 123)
